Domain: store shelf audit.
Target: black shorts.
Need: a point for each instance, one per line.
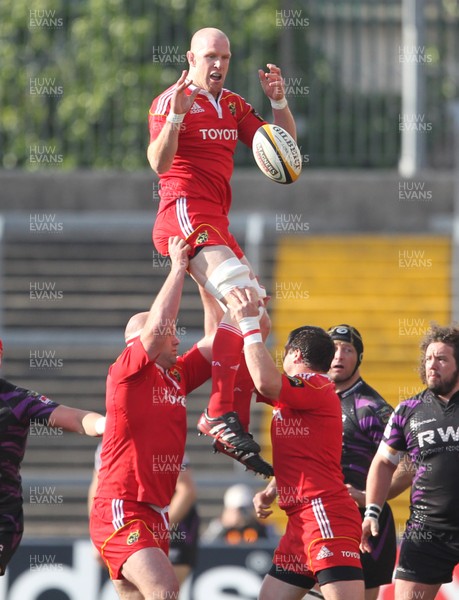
(11, 530)
(183, 546)
(378, 566)
(323, 577)
(427, 556)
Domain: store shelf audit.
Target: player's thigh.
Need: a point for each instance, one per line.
(245, 261)
(127, 590)
(275, 589)
(344, 590)
(371, 593)
(410, 589)
(151, 572)
(207, 260)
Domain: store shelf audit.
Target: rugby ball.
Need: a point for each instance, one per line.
(276, 154)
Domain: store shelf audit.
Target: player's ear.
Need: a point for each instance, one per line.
(298, 357)
(190, 58)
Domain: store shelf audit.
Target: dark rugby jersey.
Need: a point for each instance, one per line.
(365, 415)
(18, 408)
(428, 429)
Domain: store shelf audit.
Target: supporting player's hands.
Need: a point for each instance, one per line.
(179, 253)
(272, 82)
(357, 495)
(181, 102)
(370, 527)
(262, 502)
(243, 302)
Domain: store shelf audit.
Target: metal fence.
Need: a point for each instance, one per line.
(78, 77)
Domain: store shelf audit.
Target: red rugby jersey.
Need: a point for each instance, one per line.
(209, 133)
(306, 435)
(145, 432)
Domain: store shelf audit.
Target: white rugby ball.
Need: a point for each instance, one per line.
(276, 154)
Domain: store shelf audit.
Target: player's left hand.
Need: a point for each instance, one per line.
(357, 495)
(243, 302)
(272, 82)
(179, 252)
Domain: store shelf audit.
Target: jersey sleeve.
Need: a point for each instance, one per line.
(159, 109)
(128, 364)
(33, 407)
(304, 393)
(394, 433)
(156, 121)
(196, 369)
(248, 123)
(373, 416)
(157, 114)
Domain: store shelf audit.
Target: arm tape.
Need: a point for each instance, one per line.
(372, 511)
(392, 456)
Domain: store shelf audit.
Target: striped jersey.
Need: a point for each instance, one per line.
(365, 416)
(428, 430)
(21, 411)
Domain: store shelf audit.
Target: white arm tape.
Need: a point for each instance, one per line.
(248, 324)
(253, 338)
(372, 511)
(174, 117)
(250, 327)
(392, 455)
(99, 425)
(279, 104)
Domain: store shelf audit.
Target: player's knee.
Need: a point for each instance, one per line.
(230, 274)
(169, 592)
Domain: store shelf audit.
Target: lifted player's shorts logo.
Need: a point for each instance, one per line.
(133, 537)
(202, 237)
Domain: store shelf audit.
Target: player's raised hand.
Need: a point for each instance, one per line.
(181, 102)
(179, 252)
(272, 82)
(243, 302)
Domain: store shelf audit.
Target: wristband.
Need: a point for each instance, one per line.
(249, 324)
(250, 327)
(99, 425)
(279, 104)
(253, 337)
(175, 118)
(372, 511)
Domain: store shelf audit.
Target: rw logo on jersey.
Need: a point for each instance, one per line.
(431, 435)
